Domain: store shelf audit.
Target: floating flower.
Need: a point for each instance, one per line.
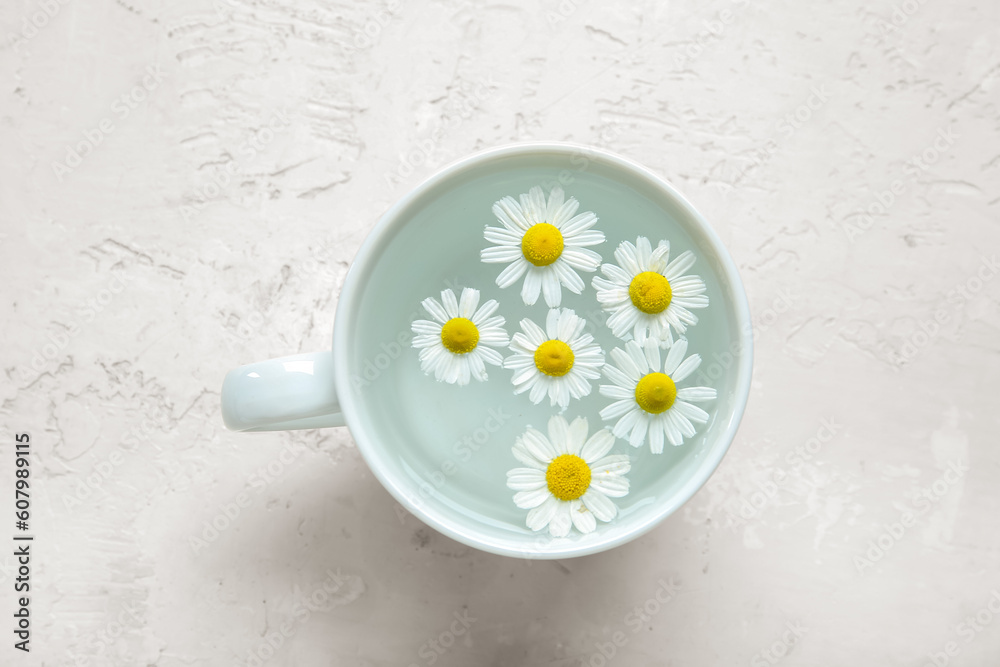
(559, 361)
(457, 344)
(646, 294)
(544, 243)
(570, 479)
(648, 401)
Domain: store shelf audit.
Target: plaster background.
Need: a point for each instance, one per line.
(188, 279)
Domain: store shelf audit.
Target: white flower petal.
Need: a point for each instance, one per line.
(559, 434)
(683, 424)
(585, 238)
(615, 464)
(624, 319)
(480, 317)
(599, 444)
(536, 207)
(552, 324)
(490, 356)
(674, 356)
(617, 392)
(578, 224)
(540, 517)
(656, 436)
(569, 278)
(643, 250)
(699, 301)
(450, 303)
(499, 254)
(533, 332)
(661, 254)
(431, 358)
(551, 288)
(583, 518)
(464, 369)
(426, 327)
(689, 285)
(569, 325)
(426, 340)
(626, 363)
(532, 286)
(564, 213)
(533, 498)
(509, 213)
(638, 435)
(503, 237)
(519, 361)
(559, 392)
(620, 378)
(576, 437)
(638, 356)
(493, 337)
(578, 386)
(525, 479)
(696, 394)
(538, 445)
(617, 409)
(672, 431)
(626, 258)
(651, 350)
(539, 389)
(679, 265)
(467, 306)
(512, 273)
(561, 522)
(688, 366)
(556, 199)
(613, 486)
(523, 375)
(625, 425)
(477, 367)
(435, 310)
(691, 411)
(581, 259)
(599, 504)
(522, 454)
(617, 275)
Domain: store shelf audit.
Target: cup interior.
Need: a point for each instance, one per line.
(444, 450)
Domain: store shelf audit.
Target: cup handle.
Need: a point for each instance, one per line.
(283, 394)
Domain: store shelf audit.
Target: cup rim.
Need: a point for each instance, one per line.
(353, 288)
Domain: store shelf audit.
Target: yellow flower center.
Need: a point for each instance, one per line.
(542, 244)
(655, 393)
(650, 292)
(459, 335)
(568, 477)
(554, 357)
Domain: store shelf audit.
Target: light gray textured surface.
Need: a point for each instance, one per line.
(133, 281)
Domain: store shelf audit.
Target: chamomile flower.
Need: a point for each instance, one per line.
(559, 361)
(544, 243)
(647, 294)
(457, 344)
(569, 479)
(647, 401)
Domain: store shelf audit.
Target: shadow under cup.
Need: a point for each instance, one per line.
(444, 450)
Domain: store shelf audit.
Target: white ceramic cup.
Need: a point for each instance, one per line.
(443, 451)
